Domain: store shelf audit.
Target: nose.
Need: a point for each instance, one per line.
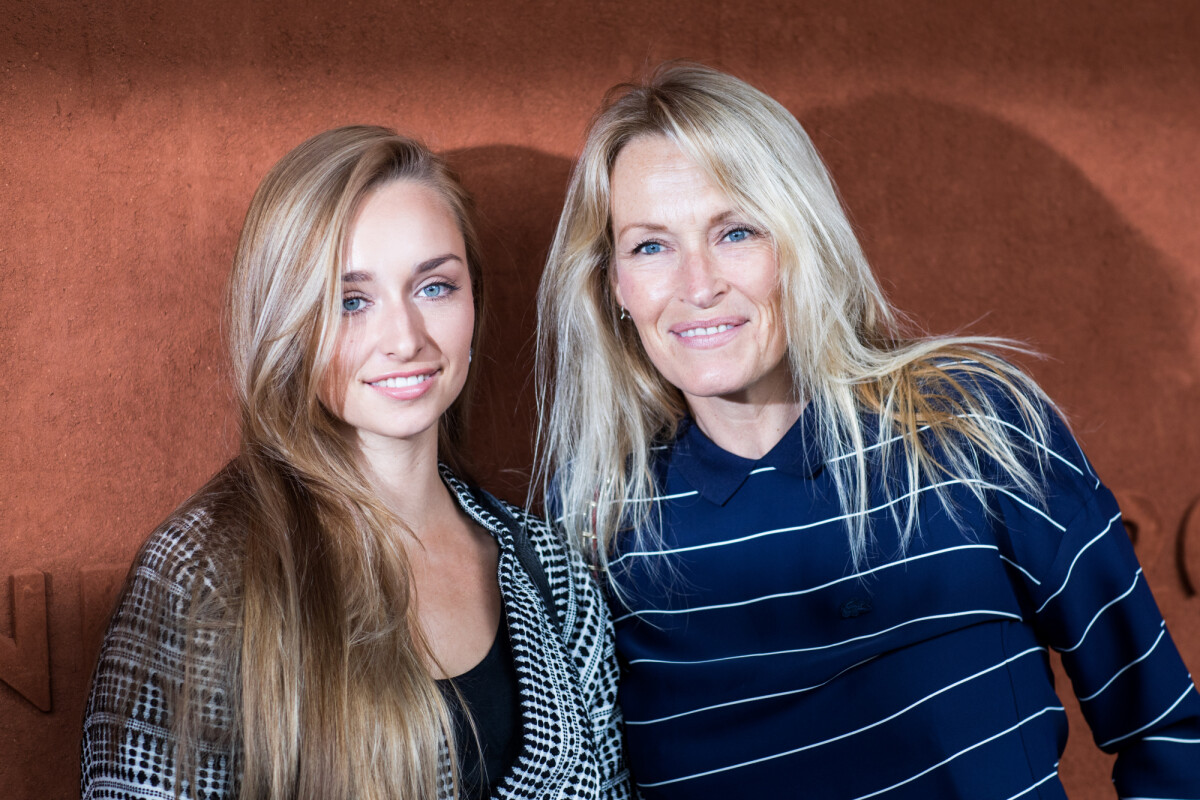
(404, 336)
(703, 282)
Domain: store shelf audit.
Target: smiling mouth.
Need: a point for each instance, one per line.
(704, 331)
(401, 383)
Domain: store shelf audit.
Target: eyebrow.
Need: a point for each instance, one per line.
(428, 265)
(724, 216)
(647, 226)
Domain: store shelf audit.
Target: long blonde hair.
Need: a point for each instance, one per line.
(332, 696)
(603, 405)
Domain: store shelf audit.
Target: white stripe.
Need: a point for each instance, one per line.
(656, 499)
(1121, 671)
(798, 592)
(1027, 504)
(1024, 571)
(1086, 463)
(961, 752)
(875, 446)
(661, 497)
(1016, 428)
(1156, 720)
(1078, 555)
(1004, 614)
(750, 699)
(1174, 739)
(1039, 783)
(762, 469)
(847, 734)
(760, 534)
(1052, 452)
(1106, 607)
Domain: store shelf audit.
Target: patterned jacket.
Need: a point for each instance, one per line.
(566, 669)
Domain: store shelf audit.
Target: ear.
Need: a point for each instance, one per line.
(615, 286)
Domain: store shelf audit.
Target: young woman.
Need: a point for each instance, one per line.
(338, 614)
(837, 552)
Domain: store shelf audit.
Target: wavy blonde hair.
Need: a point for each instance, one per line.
(330, 691)
(603, 406)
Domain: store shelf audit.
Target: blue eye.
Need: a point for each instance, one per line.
(738, 234)
(436, 290)
(352, 304)
(648, 248)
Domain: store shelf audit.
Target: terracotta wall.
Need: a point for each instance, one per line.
(1020, 168)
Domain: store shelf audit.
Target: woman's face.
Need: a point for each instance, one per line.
(698, 279)
(408, 316)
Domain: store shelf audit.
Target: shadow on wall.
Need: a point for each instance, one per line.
(970, 222)
(518, 194)
(963, 215)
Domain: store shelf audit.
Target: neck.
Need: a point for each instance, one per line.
(748, 430)
(404, 474)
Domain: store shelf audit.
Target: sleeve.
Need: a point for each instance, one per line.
(149, 661)
(1087, 598)
(588, 633)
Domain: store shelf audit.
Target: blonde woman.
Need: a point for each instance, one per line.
(838, 553)
(338, 613)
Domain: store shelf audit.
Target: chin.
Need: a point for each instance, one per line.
(713, 388)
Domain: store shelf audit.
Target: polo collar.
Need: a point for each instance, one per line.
(717, 474)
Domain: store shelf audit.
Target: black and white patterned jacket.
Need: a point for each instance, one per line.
(566, 668)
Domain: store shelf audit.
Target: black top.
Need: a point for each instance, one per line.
(490, 692)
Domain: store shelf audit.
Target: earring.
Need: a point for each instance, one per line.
(470, 354)
(624, 313)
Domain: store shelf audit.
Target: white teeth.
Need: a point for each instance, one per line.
(705, 331)
(399, 383)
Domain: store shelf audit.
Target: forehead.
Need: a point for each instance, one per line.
(649, 153)
(403, 218)
(653, 176)
(397, 198)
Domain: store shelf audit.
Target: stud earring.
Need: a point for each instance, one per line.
(470, 354)
(624, 313)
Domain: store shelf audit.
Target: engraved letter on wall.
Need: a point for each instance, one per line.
(25, 658)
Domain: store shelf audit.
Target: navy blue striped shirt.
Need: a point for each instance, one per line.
(759, 661)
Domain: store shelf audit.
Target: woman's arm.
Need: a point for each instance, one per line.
(1088, 598)
(150, 665)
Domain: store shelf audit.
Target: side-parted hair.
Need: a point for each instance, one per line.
(603, 405)
(331, 696)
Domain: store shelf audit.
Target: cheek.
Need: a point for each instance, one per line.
(643, 296)
(453, 329)
(769, 299)
(466, 326)
(773, 313)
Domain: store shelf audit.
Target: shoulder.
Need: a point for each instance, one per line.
(961, 383)
(169, 651)
(1041, 479)
(994, 405)
(185, 576)
(969, 417)
(179, 551)
(195, 548)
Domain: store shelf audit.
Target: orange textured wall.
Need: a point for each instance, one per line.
(1021, 168)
